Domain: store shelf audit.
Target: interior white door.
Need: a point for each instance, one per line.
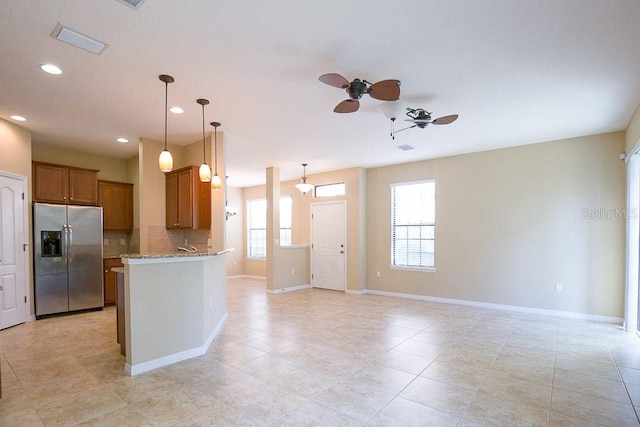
(12, 252)
(328, 246)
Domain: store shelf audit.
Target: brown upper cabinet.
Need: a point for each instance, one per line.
(188, 199)
(64, 184)
(116, 199)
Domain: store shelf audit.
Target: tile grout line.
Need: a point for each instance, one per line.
(553, 374)
(624, 383)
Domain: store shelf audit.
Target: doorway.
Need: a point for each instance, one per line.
(632, 298)
(13, 254)
(328, 245)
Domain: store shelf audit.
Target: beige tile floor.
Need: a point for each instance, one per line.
(325, 358)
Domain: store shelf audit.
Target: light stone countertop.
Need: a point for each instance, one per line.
(175, 255)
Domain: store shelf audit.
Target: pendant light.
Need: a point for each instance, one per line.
(216, 182)
(166, 160)
(303, 186)
(205, 170)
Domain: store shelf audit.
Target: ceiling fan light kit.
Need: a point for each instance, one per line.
(385, 90)
(420, 118)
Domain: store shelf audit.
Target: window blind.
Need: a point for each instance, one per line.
(413, 224)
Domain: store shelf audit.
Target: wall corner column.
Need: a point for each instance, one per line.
(273, 223)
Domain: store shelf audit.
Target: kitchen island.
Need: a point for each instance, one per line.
(174, 305)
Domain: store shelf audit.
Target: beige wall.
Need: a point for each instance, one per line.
(16, 150)
(110, 168)
(234, 233)
(511, 223)
(152, 200)
(292, 267)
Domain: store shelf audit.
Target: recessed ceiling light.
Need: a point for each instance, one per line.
(19, 118)
(122, 140)
(176, 110)
(51, 69)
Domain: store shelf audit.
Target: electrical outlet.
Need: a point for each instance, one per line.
(377, 273)
(186, 243)
(122, 242)
(293, 271)
(558, 287)
(106, 242)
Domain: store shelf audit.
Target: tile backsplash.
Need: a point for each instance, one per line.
(115, 243)
(163, 241)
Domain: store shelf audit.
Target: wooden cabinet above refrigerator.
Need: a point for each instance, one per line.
(64, 184)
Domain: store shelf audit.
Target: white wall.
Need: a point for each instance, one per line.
(511, 223)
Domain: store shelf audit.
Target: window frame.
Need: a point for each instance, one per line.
(393, 231)
(342, 183)
(249, 229)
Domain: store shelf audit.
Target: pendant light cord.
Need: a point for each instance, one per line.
(166, 104)
(215, 136)
(204, 144)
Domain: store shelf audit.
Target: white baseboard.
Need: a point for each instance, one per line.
(176, 357)
(289, 289)
(246, 276)
(358, 292)
(515, 308)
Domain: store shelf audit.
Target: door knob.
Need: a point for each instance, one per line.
(1, 288)
(341, 252)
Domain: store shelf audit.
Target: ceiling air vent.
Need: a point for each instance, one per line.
(135, 4)
(74, 38)
(405, 147)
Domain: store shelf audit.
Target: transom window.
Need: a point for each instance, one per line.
(413, 225)
(330, 190)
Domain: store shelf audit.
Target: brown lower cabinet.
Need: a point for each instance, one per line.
(110, 279)
(120, 316)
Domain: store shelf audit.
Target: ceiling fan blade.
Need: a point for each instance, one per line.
(333, 79)
(386, 90)
(347, 106)
(445, 120)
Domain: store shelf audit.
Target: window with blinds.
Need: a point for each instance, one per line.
(413, 223)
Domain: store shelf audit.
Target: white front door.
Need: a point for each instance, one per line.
(12, 252)
(328, 246)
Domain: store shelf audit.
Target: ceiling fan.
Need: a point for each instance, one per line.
(385, 90)
(421, 118)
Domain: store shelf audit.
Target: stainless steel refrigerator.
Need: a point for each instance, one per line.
(67, 258)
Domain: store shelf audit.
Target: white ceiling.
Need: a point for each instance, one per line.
(516, 72)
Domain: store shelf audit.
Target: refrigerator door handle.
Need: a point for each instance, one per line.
(64, 243)
(70, 244)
